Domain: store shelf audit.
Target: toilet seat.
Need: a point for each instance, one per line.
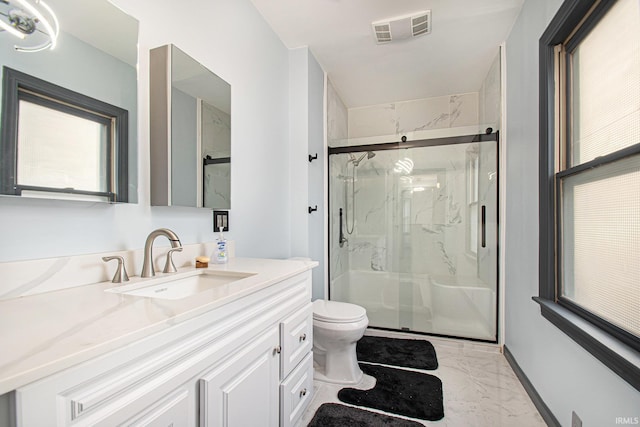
(337, 312)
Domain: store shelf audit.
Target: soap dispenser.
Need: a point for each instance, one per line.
(220, 251)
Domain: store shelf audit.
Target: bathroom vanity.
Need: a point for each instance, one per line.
(237, 354)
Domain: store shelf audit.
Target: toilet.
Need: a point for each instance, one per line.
(337, 327)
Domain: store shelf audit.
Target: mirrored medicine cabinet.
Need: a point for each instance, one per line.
(69, 114)
(190, 129)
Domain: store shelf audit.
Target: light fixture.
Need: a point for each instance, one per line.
(8, 28)
(32, 20)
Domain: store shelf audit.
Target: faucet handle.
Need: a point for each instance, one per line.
(169, 266)
(121, 272)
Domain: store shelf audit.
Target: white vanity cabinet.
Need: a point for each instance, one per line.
(296, 389)
(174, 410)
(243, 391)
(244, 363)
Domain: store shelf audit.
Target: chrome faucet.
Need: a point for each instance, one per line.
(147, 265)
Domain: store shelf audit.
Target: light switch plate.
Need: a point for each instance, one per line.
(220, 219)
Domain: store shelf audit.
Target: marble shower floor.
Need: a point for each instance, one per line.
(480, 388)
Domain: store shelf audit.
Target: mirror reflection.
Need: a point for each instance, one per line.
(69, 112)
(199, 109)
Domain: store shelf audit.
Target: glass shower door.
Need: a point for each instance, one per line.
(419, 237)
(362, 203)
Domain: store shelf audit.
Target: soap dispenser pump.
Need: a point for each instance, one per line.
(220, 250)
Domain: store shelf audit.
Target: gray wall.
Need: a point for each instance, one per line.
(317, 220)
(255, 63)
(299, 136)
(567, 377)
(306, 131)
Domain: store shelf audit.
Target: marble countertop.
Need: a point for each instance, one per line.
(46, 333)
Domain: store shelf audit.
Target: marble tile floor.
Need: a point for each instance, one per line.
(480, 388)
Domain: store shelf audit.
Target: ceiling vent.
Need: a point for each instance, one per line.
(402, 27)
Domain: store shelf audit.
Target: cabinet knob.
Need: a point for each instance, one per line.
(303, 392)
(277, 350)
(303, 337)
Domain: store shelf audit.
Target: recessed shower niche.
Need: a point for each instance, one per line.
(190, 109)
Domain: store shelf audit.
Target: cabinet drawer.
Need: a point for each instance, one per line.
(296, 392)
(296, 337)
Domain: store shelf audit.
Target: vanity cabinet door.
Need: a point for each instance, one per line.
(243, 390)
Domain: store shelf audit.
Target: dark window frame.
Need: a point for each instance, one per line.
(18, 85)
(607, 343)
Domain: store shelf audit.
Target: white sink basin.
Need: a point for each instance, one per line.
(180, 285)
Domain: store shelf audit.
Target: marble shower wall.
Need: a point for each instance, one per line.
(396, 228)
(337, 117)
(216, 132)
(417, 115)
(413, 223)
(336, 131)
(490, 97)
(216, 137)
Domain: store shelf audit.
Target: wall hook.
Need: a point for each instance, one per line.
(312, 158)
(313, 209)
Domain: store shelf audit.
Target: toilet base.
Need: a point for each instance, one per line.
(318, 375)
(334, 341)
(337, 367)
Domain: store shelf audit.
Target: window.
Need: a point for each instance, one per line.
(59, 143)
(590, 179)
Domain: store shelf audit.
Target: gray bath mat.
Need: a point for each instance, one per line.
(416, 354)
(335, 415)
(398, 391)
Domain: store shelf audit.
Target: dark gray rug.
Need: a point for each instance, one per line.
(398, 391)
(417, 354)
(335, 415)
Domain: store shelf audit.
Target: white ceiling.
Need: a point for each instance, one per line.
(454, 58)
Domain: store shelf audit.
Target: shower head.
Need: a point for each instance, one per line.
(356, 162)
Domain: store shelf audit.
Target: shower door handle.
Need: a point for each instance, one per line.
(483, 227)
(341, 238)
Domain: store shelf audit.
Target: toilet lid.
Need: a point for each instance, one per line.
(334, 311)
